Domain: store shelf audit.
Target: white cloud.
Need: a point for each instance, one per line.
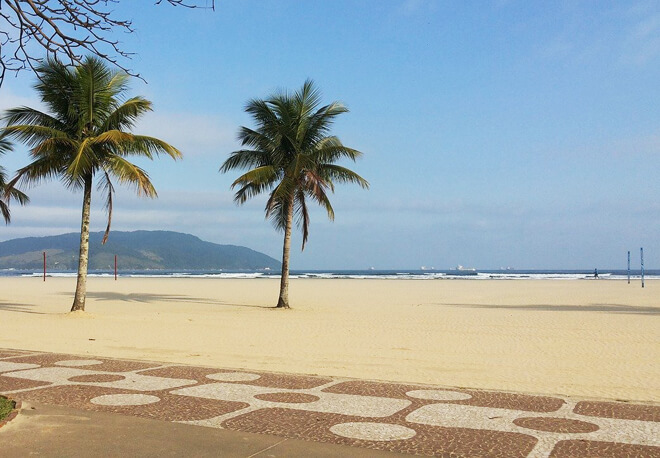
(193, 133)
(642, 41)
(9, 99)
(213, 216)
(400, 233)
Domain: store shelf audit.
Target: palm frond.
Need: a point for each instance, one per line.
(30, 116)
(9, 193)
(96, 94)
(254, 182)
(130, 174)
(106, 185)
(257, 140)
(243, 159)
(302, 216)
(4, 210)
(307, 99)
(55, 148)
(143, 145)
(261, 111)
(84, 160)
(38, 170)
(84, 130)
(18, 196)
(284, 191)
(112, 138)
(32, 135)
(320, 122)
(56, 86)
(331, 149)
(118, 81)
(276, 208)
(5, 145)
(125, 115)
(291, 139)
(337, 174)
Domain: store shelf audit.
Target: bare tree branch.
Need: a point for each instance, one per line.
(66, 30)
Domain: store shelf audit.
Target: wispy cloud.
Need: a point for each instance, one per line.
(193, 133)
(11, 100)
(213, 216)
(623, 34)
(642, 42)
(445, 231)
(413, 7)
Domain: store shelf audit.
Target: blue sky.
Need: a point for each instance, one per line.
(504, 133)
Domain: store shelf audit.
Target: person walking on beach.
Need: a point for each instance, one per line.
(595, 273)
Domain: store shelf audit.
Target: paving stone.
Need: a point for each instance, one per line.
(583, 449)
(9, 384)
(405, 418)
(460, 396)
(169, 407)
(619, 410)
(12, 353)
(556, 425)
(126, 380)
(427, 440)
(10, 366)
(270, 380)
(101, 364)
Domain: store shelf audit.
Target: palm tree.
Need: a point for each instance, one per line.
(7, 194)
(291, 155)
(86, 134)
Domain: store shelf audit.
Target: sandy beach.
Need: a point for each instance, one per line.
(596, 339)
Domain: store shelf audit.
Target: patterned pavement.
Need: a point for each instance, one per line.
(415, 419)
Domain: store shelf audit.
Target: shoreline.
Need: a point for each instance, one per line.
(590, 339)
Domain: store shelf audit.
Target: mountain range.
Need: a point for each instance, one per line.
(138, 250)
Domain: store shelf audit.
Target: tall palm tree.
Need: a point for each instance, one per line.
(84, 135)
(7, 194)
(291, 155)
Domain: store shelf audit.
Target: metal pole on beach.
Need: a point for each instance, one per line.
(629, 267)
(641, 254)
(115, 267)
(44, 266)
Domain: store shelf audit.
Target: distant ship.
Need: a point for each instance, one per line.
(465, 269)
(462, 270)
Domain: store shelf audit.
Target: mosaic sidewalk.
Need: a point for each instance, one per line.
(415, 419)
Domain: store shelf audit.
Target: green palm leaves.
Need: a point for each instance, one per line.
(291, 155)
(85, 134)
(6, 193)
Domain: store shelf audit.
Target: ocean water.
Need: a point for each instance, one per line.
(397, 274)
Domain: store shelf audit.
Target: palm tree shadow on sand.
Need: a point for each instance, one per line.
(601, 308)
(21, 308)
(170, 298)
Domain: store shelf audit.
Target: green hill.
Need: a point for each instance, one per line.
(137, 250)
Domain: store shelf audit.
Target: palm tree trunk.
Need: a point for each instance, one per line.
(283, 301)
(83, 259)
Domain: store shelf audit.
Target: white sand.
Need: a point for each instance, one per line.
(585, 338)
